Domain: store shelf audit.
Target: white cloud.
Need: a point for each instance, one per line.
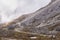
(9, 9)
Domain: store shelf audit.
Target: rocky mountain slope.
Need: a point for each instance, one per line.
(40, 25)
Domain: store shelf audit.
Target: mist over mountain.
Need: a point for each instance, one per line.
(12, 9)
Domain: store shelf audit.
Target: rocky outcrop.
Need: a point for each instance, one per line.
(47, 17)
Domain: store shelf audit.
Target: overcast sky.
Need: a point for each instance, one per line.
(11, 9)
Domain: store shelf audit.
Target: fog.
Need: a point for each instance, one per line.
(12, 9)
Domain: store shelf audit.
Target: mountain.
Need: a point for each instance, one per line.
(44, 24)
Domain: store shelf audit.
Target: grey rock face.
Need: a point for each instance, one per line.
(44, 14)
(47, 17)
